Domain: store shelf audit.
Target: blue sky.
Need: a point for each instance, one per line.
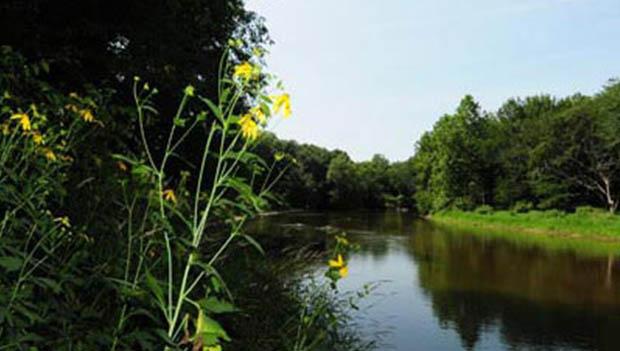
(370, 76)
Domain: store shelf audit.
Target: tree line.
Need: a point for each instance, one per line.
(536, 152)
(317, 178)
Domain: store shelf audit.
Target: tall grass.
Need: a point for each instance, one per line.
(585, 222)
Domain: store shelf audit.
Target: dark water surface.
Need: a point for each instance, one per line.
(449, 289)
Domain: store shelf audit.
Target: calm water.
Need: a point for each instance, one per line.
(447, 289)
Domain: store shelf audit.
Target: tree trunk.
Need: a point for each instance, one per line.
(612, 204)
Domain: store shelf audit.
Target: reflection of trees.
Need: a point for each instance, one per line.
(536, 297)
(525, 323)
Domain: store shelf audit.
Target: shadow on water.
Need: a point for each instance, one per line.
(454, 289)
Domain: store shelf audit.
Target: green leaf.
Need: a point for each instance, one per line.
(202, 116)
(180, 122)
(214, 108)
(217, 306)
(155, 287)
(210, 328)
(49, 283)
(11, 263)
(254, 243)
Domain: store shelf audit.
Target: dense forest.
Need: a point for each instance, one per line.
(317, 178)
(537, 152)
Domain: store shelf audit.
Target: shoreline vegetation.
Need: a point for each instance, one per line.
(584, 224)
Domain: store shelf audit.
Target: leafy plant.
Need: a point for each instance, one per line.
(171, 274)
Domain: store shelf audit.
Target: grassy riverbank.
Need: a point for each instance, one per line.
(586, 223)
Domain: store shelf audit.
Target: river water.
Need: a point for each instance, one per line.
(442, 288)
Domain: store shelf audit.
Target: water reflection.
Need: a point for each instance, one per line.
(451, 289)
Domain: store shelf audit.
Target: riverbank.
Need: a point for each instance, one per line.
(588, 224)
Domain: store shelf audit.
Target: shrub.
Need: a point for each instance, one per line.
(484, 209)
(522, 207)
(589, 210)
(553, 214)
(44, 279)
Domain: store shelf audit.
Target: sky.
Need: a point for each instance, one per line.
(370, 76)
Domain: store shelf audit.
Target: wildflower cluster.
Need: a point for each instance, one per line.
(337, 266)
(248, 76)
(176, 266)
(31, 124)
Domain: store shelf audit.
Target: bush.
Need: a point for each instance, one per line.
(522, 207)
(553, 214)
(589, 210)
(45, 280)
(484, 209)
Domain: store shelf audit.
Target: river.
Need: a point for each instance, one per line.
(442, 288)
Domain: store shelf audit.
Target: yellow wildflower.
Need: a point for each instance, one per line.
(64, 221)
(244, 71)
(37, 138)
(249, 128)
(87, 115)
(24, 120)
(50, 155)
(170, 196)
(340, 265)
(337, 263)
(259, 114)
(282, 103)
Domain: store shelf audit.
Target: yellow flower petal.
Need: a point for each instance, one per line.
(338, 263)
(244, 71)
(50, 155)
(37, 138)
(24, 120)
(282, 103)
(87, 115)
(249, 128)
(170, 196)
(343, 272)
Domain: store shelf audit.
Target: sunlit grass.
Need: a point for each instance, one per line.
(589, 233)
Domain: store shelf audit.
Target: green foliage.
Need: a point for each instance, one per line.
(345, 183)
(597, 224)
(322, 179)
(522, 207)
(454, 163)
(153, 280)
(46, 288)
(484, 209)
(550, 153)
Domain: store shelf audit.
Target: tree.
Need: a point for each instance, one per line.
(373, 180)
(454, 162)
(344, 182)
(583, 147)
